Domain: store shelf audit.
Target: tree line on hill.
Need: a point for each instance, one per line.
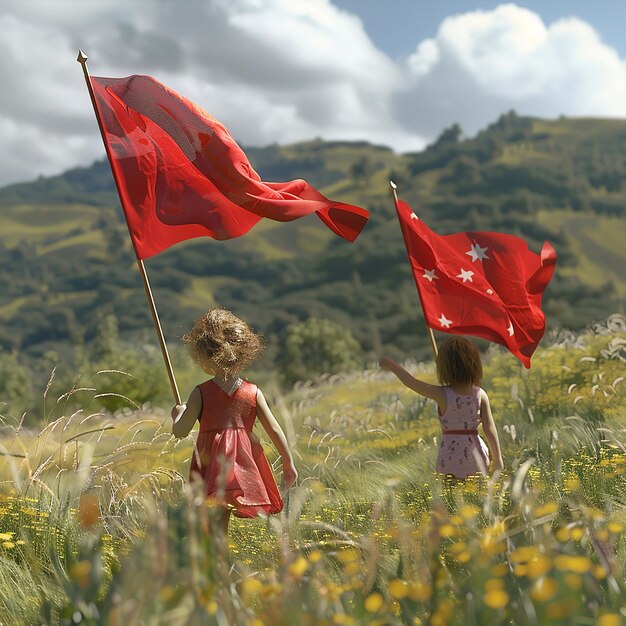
(55, 303)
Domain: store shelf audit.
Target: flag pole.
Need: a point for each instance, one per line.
(431, 335)
(82, 59)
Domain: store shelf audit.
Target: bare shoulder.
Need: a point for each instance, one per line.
(261, 401)
(439, 393)
(194, 404)
(484, 406)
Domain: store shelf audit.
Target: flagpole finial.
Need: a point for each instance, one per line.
(82, 57)
(393, 189)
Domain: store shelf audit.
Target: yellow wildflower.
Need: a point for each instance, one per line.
(445, 608)
(494, 584)
(81, 573)
(352, 568)
(419, 591)
(457, 547)
(577, 533)
(490, 545)
(315, 556)
(251, 586)
(562, 533)
(573, 581)
(500, 569)
(577, 564)
(543, 589)
(572, 483)
(538, 566)
(496, 598)
(398, 589)
(347, 555)
(447, 530)
(298, 567)
(546, 509)
(374, 602)
(463, 557)
(271, 589)
(524, 554)
(468, 511)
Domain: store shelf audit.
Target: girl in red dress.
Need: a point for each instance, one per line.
(230, 459)
(462, 405)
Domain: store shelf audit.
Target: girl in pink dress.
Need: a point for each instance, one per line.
(462, 405)
(230, 460)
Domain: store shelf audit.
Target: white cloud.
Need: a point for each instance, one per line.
(271, 71)
(482, 63)
(288, 70)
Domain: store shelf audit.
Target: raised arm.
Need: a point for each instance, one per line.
(185, 415)
(434, 392)
(276, 434)
(491, 434)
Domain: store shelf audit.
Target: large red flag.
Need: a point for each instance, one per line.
(482, 284)
(181, 175)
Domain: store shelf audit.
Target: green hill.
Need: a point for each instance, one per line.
(65, 258)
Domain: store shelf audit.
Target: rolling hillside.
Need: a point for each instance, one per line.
(65, 258)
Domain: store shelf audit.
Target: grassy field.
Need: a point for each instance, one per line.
(598, 244)
(98, 525)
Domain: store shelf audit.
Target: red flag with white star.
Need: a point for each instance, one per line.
(181, 175)
(481, 284)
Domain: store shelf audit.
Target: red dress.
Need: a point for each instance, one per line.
(232, 465)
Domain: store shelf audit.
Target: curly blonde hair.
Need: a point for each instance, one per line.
(220, 339)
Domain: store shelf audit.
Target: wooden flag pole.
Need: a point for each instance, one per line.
(431, 335)
(82, 59)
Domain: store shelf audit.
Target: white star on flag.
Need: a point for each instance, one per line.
(477, 253)
(444, 321)
(414, 217)
(489, 291)
(510, 329)
(466, 275)
(430, 275)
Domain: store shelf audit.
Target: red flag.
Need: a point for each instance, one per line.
(181, 175)
(487, 285)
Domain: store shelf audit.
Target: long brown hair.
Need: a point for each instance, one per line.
(458, 363)
(220, 339)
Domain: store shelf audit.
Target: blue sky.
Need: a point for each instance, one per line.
(392, 72)
(394, 25)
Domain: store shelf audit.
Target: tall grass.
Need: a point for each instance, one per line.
(99, 526)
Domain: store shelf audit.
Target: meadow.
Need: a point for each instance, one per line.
(99, 526)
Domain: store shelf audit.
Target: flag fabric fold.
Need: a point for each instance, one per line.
(483, 284)
(181, 175)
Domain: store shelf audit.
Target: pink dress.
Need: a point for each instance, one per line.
(231, 463)
(462, 452)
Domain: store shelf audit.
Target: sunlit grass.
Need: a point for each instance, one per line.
(96, 518)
